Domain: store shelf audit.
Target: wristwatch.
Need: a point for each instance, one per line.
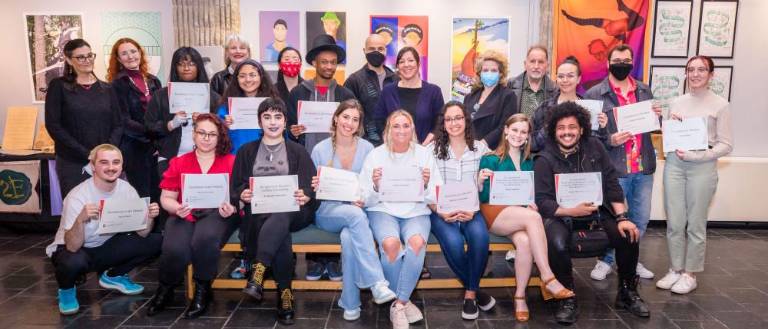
(621, 217)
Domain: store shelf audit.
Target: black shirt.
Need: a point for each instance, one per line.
(409, 98)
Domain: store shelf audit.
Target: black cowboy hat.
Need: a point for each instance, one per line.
(325, 42)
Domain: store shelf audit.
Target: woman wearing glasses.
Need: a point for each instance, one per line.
(81, 112)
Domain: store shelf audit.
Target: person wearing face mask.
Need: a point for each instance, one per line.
(533, 86)
(491, 101)
(568, 78)
(633, 155)
(367, 82)
(288, 73)
(236, 50)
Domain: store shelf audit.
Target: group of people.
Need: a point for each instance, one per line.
(385, 119)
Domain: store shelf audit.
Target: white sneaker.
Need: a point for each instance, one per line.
(643, 272)
(397, 316)
(510, 255)
(601, 270)
(684, 285)
(381, 293)
(668, 280)
(352, 315)
(413, 313)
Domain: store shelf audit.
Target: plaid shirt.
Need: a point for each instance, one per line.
(531, 100)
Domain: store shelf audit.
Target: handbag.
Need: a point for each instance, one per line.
(589, 242)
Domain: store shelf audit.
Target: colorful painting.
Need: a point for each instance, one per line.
(46, 36)
(277, 30)
(333, 23)
(144, 27)
(471, 37)
(404, 31)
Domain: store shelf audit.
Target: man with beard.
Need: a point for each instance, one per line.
(367, 82)
(571, 149)
(78, 249)
(533, 86)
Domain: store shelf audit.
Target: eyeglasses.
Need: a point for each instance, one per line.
(250, 75)
(206, 135)
(84, 58)
(566, 76)
(621, 61)
(458, 118)
(186, 64)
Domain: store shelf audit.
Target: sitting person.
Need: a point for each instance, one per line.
(77, 249)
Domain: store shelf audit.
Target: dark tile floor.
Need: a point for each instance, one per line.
(732, 293)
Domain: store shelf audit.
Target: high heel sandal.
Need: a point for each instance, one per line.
(521, 316)
(560, 294)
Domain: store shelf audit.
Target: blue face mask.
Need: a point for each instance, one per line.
(489, 79)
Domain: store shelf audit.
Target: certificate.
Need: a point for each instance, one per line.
(316, 116)
(121, 215)
(273, 194)
(511, 188)
(244, 112)
(636, 118)
(687, 135)
(456, 196)
(189, 97)
(594, 107)
(401, 184)
(204, 191)
(573, 189)
(337, 184)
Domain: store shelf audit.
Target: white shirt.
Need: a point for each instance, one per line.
(464, 169)
(83, 194)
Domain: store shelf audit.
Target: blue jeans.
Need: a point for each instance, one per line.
(469, 265)
(403, 273)
(360, 264)
(637, 190)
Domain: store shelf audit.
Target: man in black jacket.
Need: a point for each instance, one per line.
(571, 149)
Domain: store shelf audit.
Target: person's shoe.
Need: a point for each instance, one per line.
(334, 271)
(68, 301)
(163, 298)
(200, 300)
(413, 313)
(510, 256)
(601, 270)
(286, 314)
(425, 273)
(627, 298)
(397, 316)
(352, 315)
(120, 283)
(381, 293)
(315, 270)
(684, 285)
(469, 311)
(563, 293)
(567, 311)
(255, 285)
(485, 301)
(521, 316)
(240, 271)
(643, 272)
(668, 280)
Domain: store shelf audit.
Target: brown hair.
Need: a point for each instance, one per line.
(537, 47)
(707, 61)
(114, 63)
(388, 127)
(223, 144)
(621, 47)
(343, 106)
(411, 50)
(494, 56)
(502, 150)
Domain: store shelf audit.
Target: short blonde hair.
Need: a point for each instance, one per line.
(388, 127)
(235, 38)
(103, 147)
(495, 56)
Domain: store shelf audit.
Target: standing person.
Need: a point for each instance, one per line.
(568, 79)
(457, 155)
(236, 50)
(395, 224)
(80, 112)
(367, 82)
(78, 249)
(268, 236)
(289, 72)
(533, 86)
(633, 155)
(346, 150)
(690, 177)
(421, 99)
(134, 87)
(491, 102)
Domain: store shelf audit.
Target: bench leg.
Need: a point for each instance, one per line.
(190, 283)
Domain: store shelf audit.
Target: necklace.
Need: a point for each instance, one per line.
(273, 150)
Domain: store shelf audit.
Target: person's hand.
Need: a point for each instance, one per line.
(449, 217)
(583, 209)
(620, 138)
(226, 209)
(246, 195)
(89, 212)
(194, 115)
(465, 216)
(484, 174)
(359, 203)
(297, 130)
(315, 183)
(681, 154)
(602, 119)
(533, 207)
(628, 229)
(301, 198)
(656, 108)
(228, 121)
(183, 210)
(676, 116)
(178, 120)
(376, 178)
(153, 210)
(425, 175)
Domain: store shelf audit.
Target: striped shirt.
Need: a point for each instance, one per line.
(456, 170)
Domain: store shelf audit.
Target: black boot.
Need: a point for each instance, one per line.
(285, 310)
(629, 299)
(567, 311)
(163, 298)
(200, 299)
(255, 285)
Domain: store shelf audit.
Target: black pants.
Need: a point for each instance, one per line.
(198, 243)
(268, 240)
(141, 167)
(120, 254)
(559, 242)
(70, 174)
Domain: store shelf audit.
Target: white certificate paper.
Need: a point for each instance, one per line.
(274, 194)
(594, 107)
(189, 97)
(337, 184)
(455, 196)
(120, 215)
(573, 189)
(687, 135)
(316, 116)
(636, 118)
(245, 112)
(512, 188)
(401, 184)
(204, 191)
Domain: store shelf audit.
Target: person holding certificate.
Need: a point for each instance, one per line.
(572, 149)
(521, 224)
(346, 150)
(236, 50)
(193, 235)
(395, 168)
(78, 249)
(690, 177)
(268, 235)
(458, 155)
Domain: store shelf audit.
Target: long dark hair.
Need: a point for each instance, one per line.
(280, 78)
(266, 89)
(411, 50)
(191, 54)
(442, 142)
(69, 72)
(223, 143)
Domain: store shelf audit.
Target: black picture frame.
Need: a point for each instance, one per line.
(718, 74)
(652, 85)
(702, 22)
(655, 29)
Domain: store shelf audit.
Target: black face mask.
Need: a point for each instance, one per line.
(375, 58)
(620, 71)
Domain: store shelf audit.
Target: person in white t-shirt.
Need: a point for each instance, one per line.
(77, 249)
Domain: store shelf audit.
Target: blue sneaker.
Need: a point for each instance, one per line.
(239, 272)
(120, 283)
(315, 270)
(334, 271)
(68, 301)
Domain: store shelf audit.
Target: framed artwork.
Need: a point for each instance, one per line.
(401, 31)
(667, 81)
(721, 81)
(144, 27)
(46, 35)
(717, 29)
(471, 37)
(278, 29)
(672, 28)
(333, 23)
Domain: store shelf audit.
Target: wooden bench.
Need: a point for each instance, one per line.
(315, 240)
